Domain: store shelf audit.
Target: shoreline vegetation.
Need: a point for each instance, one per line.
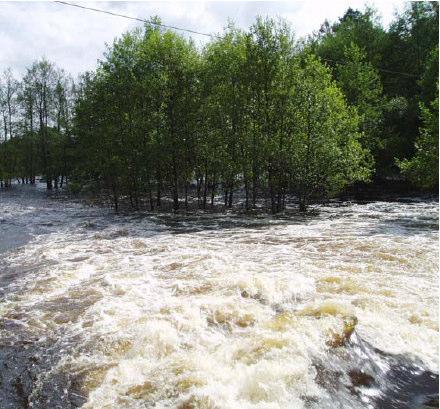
(252, 117)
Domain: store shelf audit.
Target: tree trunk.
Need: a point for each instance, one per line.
(158, 194)
(199, 189)
(254, 189)
(213, 188)
(205, 190)
(150, 195)
(246, 190)
(302, 203)
(115, 198)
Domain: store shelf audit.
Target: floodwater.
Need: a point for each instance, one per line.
(335, 310)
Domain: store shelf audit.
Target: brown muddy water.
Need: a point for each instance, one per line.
(335, 310)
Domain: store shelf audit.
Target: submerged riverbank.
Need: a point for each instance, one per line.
(335, 309)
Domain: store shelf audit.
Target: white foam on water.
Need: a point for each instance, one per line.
(231, 318)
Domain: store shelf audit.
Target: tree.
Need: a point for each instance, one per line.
(269, 52)
(409, 45)
(403, 58)
(9, 87)
(148, 82)
(326, 153)
(8, 107)
(361, 85)
(423, 168)
(223, 151)
(361, 28)
(429, 78)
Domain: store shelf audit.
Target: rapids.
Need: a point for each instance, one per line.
(334, 310)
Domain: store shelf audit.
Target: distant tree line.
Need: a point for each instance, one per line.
(254, 113)
(37, 116)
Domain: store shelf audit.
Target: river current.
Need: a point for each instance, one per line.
(333, 310)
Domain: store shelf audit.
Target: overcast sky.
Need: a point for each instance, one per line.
(74, 38)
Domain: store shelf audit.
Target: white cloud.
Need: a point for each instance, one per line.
(74, 38)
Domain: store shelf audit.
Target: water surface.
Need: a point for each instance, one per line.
(336, 310)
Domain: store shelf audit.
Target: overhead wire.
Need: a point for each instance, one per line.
(377, 68)
(199, 32)
(135, 18)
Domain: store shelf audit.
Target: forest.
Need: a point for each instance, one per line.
(251, 119)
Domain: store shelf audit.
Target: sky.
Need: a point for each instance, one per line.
(75, 39)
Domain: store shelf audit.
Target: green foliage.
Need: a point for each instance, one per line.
(37, 125)
(385, 74)
(326, 152)
(360, 28)
(142, 104)
(423, 168)
(429, 78)
(226, 118)
(223, 149)
(362, 87)
(160, 122)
